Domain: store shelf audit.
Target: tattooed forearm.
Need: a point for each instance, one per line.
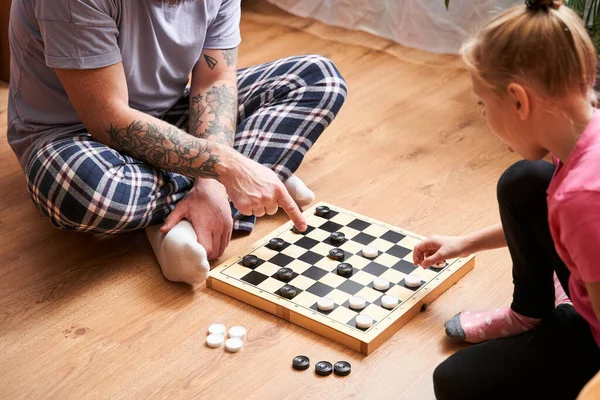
(197, 111)
(230, 56)
(213, 116)
(168, 149)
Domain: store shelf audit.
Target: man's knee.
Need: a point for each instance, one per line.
(525, 180)
(74, 186)
(320, 72)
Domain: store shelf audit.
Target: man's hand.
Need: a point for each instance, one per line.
(255, 189)
(206, 207)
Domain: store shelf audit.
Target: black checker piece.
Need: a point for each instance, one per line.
(251, 261)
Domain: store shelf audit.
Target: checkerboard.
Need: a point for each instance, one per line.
(315, 276)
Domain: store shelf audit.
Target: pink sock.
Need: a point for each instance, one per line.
(560, 297)
(476, 327)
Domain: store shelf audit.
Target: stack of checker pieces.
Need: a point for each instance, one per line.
(315, 276)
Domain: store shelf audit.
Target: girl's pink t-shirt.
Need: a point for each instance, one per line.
(574, 218)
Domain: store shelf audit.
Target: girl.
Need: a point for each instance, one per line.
(533, 67)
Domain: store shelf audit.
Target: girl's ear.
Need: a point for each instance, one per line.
(519, 100)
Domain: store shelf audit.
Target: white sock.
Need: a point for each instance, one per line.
(180, 256)
(301, 194)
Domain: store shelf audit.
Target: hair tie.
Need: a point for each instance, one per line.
(542, 4)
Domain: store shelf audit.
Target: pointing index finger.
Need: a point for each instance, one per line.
(292, 210)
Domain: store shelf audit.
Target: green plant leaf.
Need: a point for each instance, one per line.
(596, 26)
(578, 6)
(447, 3)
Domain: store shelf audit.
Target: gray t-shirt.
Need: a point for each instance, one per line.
(157, 43)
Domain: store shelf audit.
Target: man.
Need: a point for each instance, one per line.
(111, 139)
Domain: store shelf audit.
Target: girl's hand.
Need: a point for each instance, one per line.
(437, 249)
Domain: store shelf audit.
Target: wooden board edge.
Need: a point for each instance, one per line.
(327, 332)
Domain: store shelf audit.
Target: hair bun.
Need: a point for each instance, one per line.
(543, 4)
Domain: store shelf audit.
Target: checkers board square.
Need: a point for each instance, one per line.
(308, 243)
(254, 278)
(318, 235)
(330, 226)
(301, 282)
(404, 267)
(305, 299)
(342, 314)
(363, 238)
(350, 287)
(267, 268)
(294, 251)
(392, 236)
(369, 294)
(359, 225)
(375, 269)
(281, 259)
(270, 285)
(362, 278)
(315, 273)
(333, 280)
(376, 311)
(311, 257)
(338, 296)
(319, 289)
(398, 251)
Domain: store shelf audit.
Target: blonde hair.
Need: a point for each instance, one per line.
(542, 45)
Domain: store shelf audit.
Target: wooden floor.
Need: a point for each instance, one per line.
(92, 317)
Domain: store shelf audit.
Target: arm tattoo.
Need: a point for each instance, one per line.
(220, 102)
(166, 148)
(230, 56)
(211, 62)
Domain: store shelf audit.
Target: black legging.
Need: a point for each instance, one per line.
(552, 361)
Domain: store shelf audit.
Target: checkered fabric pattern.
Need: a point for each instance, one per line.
(83, 185)
(315, 274)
